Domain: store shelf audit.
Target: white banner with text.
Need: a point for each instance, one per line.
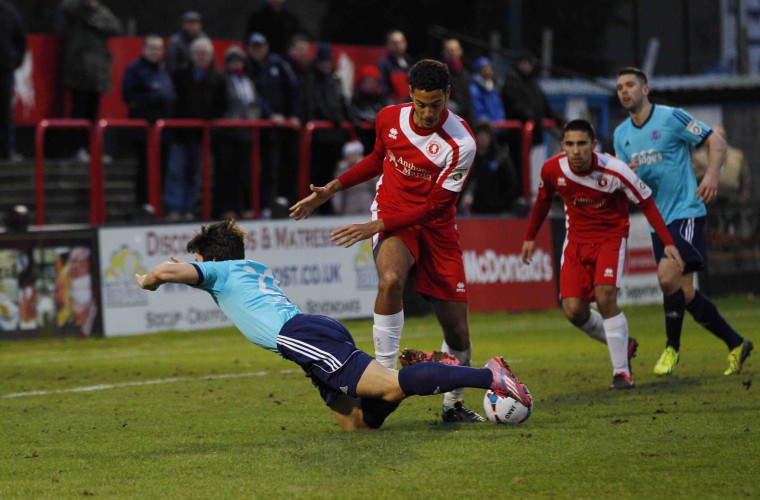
(317, 276)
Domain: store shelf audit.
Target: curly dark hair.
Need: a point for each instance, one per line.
(220, 241)
(429, 75)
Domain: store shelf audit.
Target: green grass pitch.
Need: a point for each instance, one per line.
(209, 415)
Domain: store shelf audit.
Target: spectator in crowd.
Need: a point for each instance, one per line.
(486, 101)
(85, 27)
(178, 49)
(524, 100)
(493, 187)
(277, 23)
(325, 101)
(368, 96)
(12, 50)
(299, 57)
(368, 99)
(359, 199)
(734, 185)
(148, 91)
(201, 95)
(394, 67)
(232, 166)
(460, 101)
(277, 85)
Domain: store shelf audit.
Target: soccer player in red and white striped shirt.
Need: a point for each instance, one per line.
(423, 153)
(595, 188)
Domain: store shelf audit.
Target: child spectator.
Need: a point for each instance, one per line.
(359, 198)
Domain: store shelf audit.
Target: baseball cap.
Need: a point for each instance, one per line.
(191, 16)
(353, 147)
(257, 38)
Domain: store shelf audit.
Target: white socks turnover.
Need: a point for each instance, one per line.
(616, 329)
(387, 334)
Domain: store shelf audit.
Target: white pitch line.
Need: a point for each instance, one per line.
(105, 387)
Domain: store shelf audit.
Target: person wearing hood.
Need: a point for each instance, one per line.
(232, 146)
(486, 102)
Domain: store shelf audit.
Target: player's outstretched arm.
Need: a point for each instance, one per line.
(319, 196)
(174, 271)
(526, 254)
(672, 252)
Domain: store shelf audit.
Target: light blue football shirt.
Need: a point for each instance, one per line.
(661, 146)
(250, 296)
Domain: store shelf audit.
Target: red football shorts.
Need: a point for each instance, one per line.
(439, 269)
(586, 265)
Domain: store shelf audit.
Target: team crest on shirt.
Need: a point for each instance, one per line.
(655, 135)
(602, 182)
(393, 133)
(433, 148)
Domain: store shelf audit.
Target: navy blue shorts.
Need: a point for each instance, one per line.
(689, 237)
(326, 352)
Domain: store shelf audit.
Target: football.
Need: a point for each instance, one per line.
(505, 410)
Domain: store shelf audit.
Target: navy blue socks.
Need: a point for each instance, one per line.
(706, 314)
(674, 305)
(423, 379)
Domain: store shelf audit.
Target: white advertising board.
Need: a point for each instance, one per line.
(317, 276)
(639, 285)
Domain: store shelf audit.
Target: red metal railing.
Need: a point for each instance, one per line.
(255, 126)
(153, 153)
(304, 158)
(154, 163)
(97, 172)
(527, 145)
(39, 162)
(525, 166)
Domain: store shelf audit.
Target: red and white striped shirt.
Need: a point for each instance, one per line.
(596, 201)
(423, 170)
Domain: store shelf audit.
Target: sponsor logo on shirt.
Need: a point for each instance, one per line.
(655, 135)
(585, 201)
(407, 168)
(460, 287)
(648, 157)
(609, 273)
(393, 133)
(561, 181)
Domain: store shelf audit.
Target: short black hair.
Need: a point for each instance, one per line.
(220, 241)
(429, 75)
(579, 126)
(637, 72)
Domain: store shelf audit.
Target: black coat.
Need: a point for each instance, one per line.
(12, 37)
(202, 98)
(525, 100)
(86, 61)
